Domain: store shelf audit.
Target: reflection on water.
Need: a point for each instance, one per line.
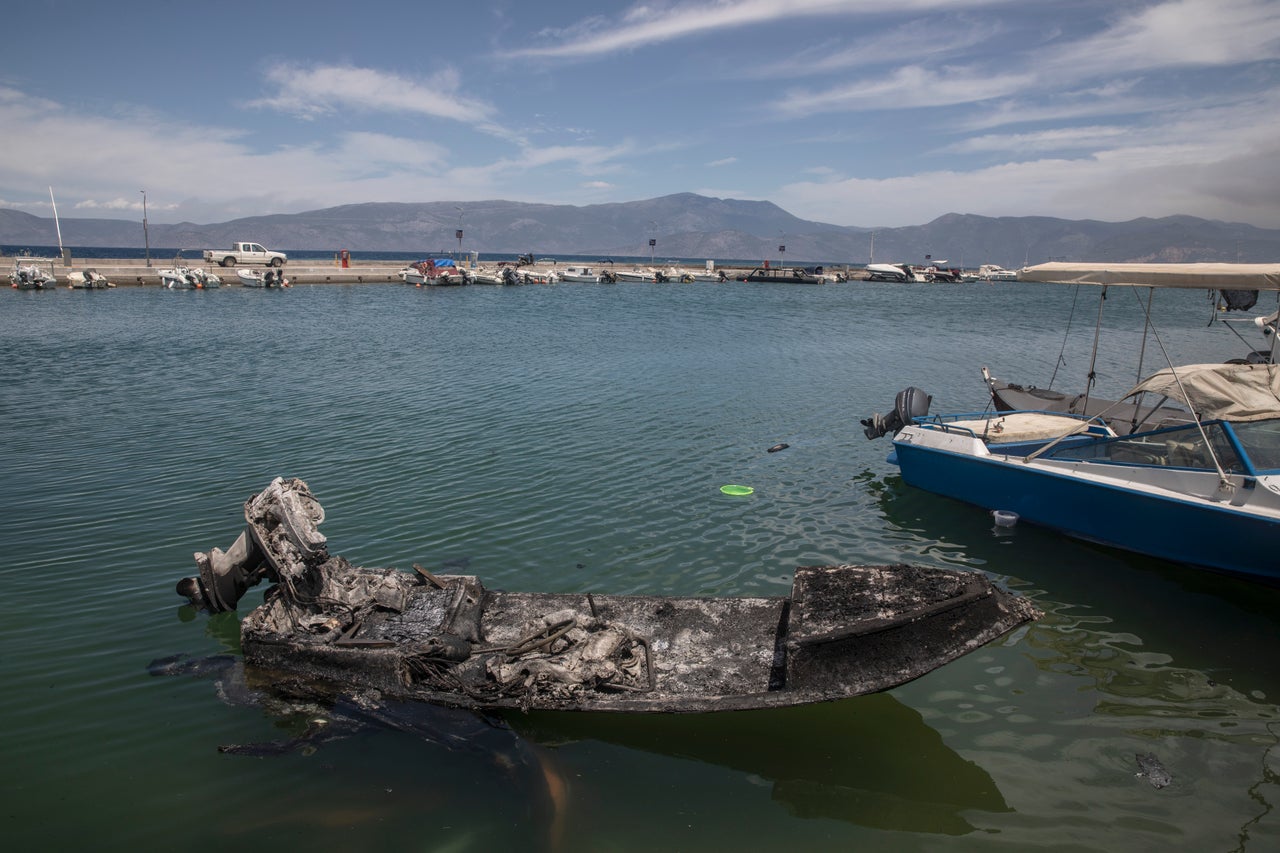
(871, 761)
(1132, 657)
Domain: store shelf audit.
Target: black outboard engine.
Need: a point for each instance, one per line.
(911, 403)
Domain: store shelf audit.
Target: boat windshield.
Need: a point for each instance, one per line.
(1261, 441)
(1183, 447)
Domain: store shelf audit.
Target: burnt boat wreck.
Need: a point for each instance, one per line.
(328, 627)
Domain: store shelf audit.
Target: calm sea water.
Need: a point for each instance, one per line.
(574, 438)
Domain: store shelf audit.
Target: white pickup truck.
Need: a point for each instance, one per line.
(245, 253)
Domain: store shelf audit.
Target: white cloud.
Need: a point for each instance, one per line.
(1178, 33)
(723, 161)
(644, 24)
(922, 41)
(907, 87)
(325, 89)
(1054, 139)
(1230, 182)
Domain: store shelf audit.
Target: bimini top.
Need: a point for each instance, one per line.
(1195, 276)
(1232, 392)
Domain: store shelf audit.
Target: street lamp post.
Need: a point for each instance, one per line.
(145, 236)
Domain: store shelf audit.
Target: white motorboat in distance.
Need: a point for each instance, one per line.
(29, 275)
(579, 274)
(261, 278)
(889, 272)
(188, 278)
(89, 279)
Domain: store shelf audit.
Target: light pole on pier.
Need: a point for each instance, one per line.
(145, 236)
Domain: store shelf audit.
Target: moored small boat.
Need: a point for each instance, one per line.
(1184, 467)
(785, 275)
(29, 276)
(579, 274)
(188, 278)
(89, 279)
(435, 272)
(261, 278)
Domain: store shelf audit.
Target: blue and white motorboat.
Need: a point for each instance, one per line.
(1184, 467)
(1203, 490)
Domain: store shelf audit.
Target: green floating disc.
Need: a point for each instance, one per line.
(737, 490)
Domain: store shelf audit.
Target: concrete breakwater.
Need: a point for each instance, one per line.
(135, 273)
(132, 272)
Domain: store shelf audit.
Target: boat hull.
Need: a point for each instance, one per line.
(1184, 529)
(845, 631)
(328, 629)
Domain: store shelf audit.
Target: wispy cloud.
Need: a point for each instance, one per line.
(922, 41)
(1220, 162)
(318, 90)
(1056, 139)
(646, 24)
(184, 165)
(114, 205)
(912, 86)
(723, 161)
(1175, 34)
(1180, 33)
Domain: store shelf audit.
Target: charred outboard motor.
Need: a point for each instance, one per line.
(911, 403)
(280, 543)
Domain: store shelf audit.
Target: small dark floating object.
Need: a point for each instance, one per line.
(1150, 768)
(330, 627)
(778, 447)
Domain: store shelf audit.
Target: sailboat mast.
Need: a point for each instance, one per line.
(56, 224)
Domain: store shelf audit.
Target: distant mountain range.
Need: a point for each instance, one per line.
(683, 226)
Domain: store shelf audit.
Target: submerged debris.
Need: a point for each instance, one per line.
(1150, 768)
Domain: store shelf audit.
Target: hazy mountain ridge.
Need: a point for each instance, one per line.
(685, 225)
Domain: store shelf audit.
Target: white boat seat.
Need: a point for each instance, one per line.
(1016, 426)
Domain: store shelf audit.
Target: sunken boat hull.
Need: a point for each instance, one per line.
(328, 627)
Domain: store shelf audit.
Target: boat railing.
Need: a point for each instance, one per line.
(1011, 426)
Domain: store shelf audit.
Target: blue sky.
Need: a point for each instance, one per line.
(862, 112)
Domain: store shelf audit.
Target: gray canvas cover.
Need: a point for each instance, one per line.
(1233, 392)
(1194, 276)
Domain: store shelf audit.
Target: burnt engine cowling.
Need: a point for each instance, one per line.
(280, 543)
(909, 404)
